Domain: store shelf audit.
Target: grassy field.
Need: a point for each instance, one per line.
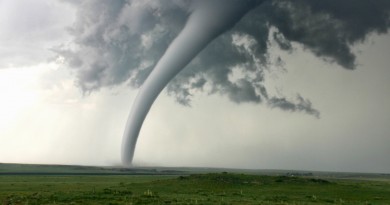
(213, 188)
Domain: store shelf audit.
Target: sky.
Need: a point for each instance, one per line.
(279, 90)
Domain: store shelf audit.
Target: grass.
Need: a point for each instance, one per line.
(214, 188)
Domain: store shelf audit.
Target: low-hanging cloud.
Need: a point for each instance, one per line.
(121, 41)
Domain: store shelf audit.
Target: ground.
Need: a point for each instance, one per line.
(205, 188)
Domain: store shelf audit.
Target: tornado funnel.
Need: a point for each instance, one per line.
(209, 19)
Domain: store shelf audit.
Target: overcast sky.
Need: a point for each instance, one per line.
(316, 99)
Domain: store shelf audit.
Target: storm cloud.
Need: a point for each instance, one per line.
(116, 42)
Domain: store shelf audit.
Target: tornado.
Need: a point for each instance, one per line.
(208, 19)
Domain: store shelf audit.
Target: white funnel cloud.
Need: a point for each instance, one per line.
(209, 19)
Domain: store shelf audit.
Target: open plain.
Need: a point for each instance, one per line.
(59, 184)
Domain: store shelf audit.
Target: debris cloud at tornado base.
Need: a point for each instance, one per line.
(121, 41)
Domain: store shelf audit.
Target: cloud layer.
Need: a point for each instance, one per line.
(121, 41)
(29, 28)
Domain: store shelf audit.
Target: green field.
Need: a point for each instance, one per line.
(211, 188)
